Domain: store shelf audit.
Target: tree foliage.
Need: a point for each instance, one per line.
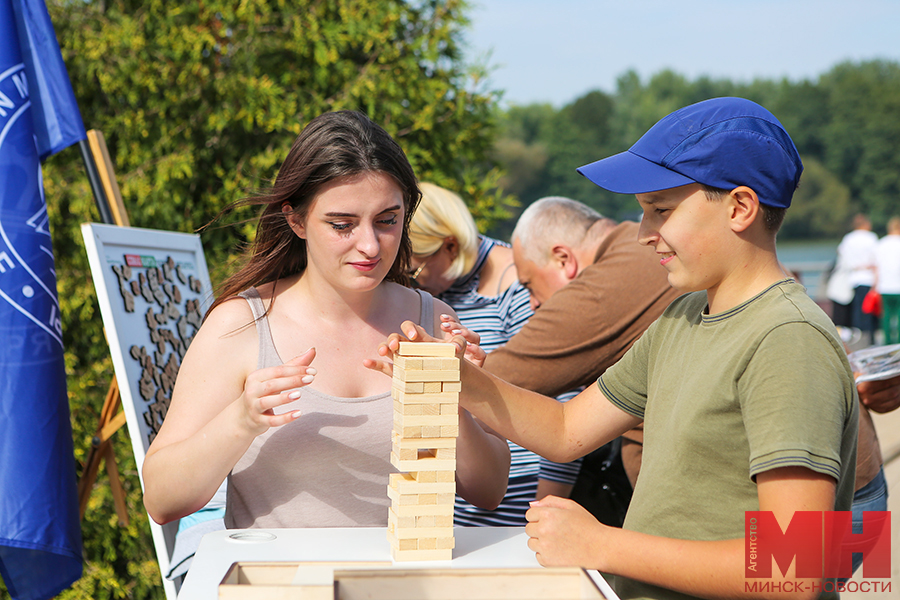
(199, 103)
(846, 125)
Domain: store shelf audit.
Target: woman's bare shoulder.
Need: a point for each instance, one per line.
(230, 318)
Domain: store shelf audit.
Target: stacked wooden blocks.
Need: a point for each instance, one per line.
(426, 423)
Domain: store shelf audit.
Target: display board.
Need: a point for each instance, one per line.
(153, 288)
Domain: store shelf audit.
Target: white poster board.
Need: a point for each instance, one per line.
(153, 288)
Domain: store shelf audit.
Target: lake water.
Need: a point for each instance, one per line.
(812, 259)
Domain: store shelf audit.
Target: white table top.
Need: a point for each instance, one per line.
(476, 547)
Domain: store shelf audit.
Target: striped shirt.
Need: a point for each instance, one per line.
(496, 319)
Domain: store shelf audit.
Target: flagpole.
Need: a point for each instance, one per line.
(96, 183)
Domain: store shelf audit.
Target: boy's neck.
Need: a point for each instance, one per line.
(745, 280)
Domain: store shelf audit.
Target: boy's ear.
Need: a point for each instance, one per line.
(744, 208)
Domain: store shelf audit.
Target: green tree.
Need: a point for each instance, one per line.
(803, 110)
(821, 206)
(540, 148)
(521, 149)
(199, 103)
(862, 138)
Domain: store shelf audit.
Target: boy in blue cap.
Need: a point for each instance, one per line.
(744, 388)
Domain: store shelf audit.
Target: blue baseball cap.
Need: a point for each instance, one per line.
(723, 143)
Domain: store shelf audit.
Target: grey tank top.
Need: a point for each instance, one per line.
(329, 468)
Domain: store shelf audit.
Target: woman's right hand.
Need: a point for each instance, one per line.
(266, 389)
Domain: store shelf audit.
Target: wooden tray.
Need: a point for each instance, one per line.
(375, 581)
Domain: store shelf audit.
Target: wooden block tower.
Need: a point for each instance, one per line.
(426, 423)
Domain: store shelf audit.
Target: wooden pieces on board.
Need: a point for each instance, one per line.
(426, 424)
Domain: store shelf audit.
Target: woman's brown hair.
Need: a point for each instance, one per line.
(331, 146)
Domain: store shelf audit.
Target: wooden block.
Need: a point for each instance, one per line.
(411, 387)
(421, 555)
(446, 431)
(422, 443)
(442, 511)
(401, 533)
(407, 521)
(437, 430)
(443, 453)
(426, 376)
(427, 349)
(427, 544)
(405, 483)
(439, 364)
(406, 453)
(403, 420)
(446, 543)
(442, 499)
(429, 464)
(428, 499)
(425, 398)
(449, 409)
(407, 362)
(403, 545)
(431, 408)
(451, 386)
(444, 477)
(427, 476)
(443, 520)
(407, 518)
(430, 387)
(433, 363)
(398, 499)
(411, 432)
(423, 532)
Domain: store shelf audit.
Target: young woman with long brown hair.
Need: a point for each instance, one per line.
(273, 393)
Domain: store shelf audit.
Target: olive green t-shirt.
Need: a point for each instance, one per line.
(725, 397)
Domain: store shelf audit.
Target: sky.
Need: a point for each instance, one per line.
(557, 50)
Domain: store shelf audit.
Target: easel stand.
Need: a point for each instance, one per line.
(101, 449)
(109, 199)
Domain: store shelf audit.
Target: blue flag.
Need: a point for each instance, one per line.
(40, 532)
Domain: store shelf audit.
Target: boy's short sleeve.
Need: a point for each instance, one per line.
(625, 384)
(795, 397)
